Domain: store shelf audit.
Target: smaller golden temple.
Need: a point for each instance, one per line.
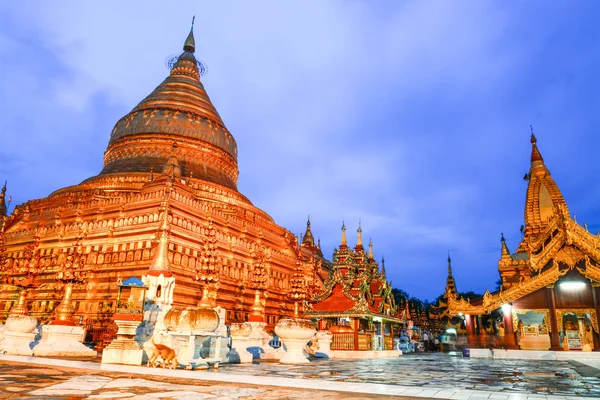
(549, 293)
(357, 304)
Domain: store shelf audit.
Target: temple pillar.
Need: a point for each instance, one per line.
(356, 324)
(510, 340)
(595, 298)
(482, 335)
(470, 324)
(554, 342)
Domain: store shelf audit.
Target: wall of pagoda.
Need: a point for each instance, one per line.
(119, 240)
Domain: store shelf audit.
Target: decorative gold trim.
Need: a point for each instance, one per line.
(522, 311)
(578, 312)
(494, 301)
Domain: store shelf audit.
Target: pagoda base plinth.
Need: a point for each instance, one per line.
(17, 343)
(123, 352)
(124, 349)
(295, 334)
(324, 339)
(63, 341)
(294, 353)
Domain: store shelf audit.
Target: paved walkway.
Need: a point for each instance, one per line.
(421, 375)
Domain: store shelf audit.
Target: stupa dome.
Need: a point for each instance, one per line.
(176, 120)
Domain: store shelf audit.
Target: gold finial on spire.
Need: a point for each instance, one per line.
(190, 43)
(344, 242)
(449, 264)
(370, 249)
(359, 235)
(505, 251)
(536, 157)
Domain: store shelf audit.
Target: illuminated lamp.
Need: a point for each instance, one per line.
(572, 285)
(506, 307)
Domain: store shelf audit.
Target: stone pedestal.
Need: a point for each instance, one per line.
(258, 342)
(325, 338)
(19, 331)
(239, 343)
(197, 349)
(295, 334)
(63, 341)
(17, 343)
(124, 349)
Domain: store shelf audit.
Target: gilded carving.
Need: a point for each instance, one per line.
(579, 312)
(545, 312)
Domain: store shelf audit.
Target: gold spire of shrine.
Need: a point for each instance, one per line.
(3, 209)
(544, 199)
(190, 43)
(370, 250)
(450, 284)
(382, 266)
(344, 242)
(505, 251)
(308, 239)
(359, 241)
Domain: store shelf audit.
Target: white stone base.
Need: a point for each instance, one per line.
(324, 350)
(17, 343)
(362, 355)
(62, 341)
(534, 354)
(122, 356)
(294, 351)
(238, 353)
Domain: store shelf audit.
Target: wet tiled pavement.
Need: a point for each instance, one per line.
(21, 381)
(562, 378)
(421, 375)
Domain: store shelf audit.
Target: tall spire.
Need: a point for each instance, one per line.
(505, 251)
(536, 156)
(450, 284)
(344, 241)
(359, 241)
(370, 250)
(308, 239)
(382, 266)
(190, 43)
(3, 208)
(544, 199)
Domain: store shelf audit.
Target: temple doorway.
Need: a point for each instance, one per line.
(576, 329)
(532, 329)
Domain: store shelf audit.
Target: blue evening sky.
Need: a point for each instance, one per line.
(412, 116)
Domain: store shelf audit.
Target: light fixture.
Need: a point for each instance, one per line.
(506, 307)
(460, 314)
(572, 285)
(451, 330)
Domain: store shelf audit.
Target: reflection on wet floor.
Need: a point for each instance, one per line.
(441, 371)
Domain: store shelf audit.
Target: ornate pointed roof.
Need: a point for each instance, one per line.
(178, 110)
(308, 239)
(450, 284)
(359, 242)
(544, 200)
